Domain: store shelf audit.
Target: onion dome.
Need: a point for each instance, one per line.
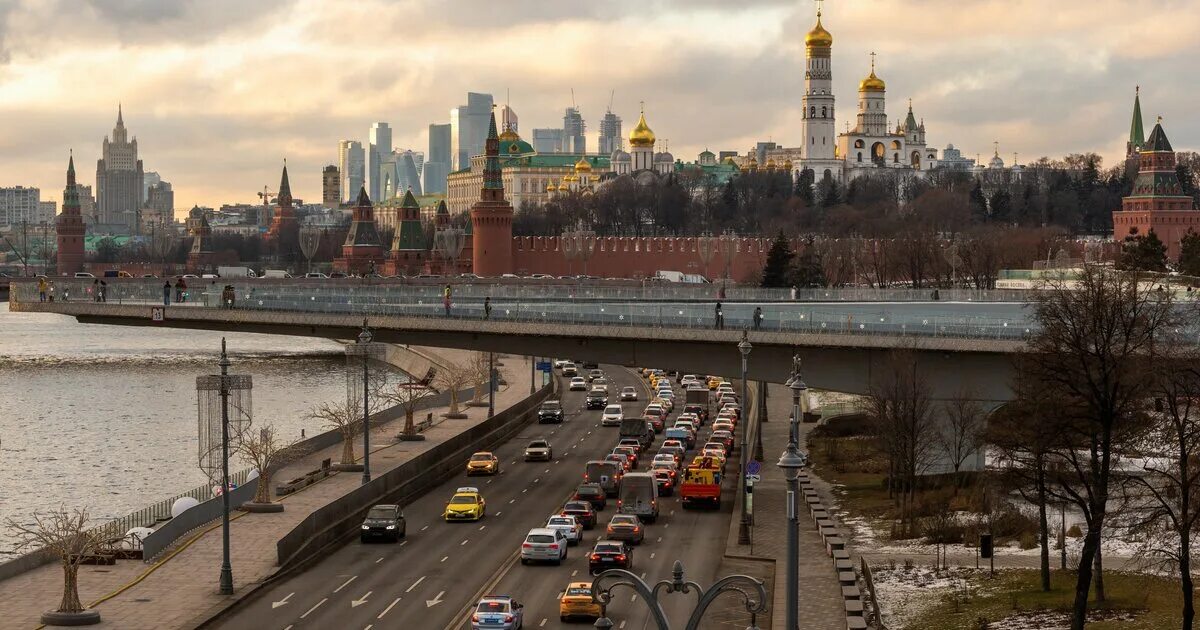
(770, 164)
(872, 83)
(583, 166)
(620, 156)
(562, 187)
(551, 187)
(753, 164)
(509, 135)
(818, 37)
(641, 136)
(787, 166)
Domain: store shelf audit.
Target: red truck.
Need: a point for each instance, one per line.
(701, 484)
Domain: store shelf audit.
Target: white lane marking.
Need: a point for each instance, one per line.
(651, 555)
(379, 560)
(659, 539)
(361, 600)
(576, 571)
(288, 628)
(425, 528)
(482, 527)
(385, 610)
(622, 625)
(315, 607)
(465, 541)
(352, 578)
(404, 543)
(430, 603)
(556, 462)
(536, 480)
(489, 481)
(281, 602)
(543, 624)
(546, 472)
(414, 585)
(496, 514)
(369, 626)
(445, 558)
(643, 575)
(672, 512)
(522, 492)
(633, 599)
(512, 500)
(666, 525)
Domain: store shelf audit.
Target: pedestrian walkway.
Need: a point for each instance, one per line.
(820, 599)
(180, 589)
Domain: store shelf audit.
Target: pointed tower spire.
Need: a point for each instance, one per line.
(491, 167)
(120, 116)
(1137, 137)
(71, 169)
(285, 188)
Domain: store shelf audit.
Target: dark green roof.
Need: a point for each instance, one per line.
(1137, 137)
(1158, 140)
(409, 236)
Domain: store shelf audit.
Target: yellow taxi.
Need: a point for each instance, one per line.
(577, 601)
(466, 505)
(483, 463)
(713, 381)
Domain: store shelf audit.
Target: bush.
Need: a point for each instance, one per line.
(1010, 523)
(1028, 540)
(1075, 532)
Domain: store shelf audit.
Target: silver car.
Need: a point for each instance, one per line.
(567, 524)
(539, 450)
(628, 394)
(543, 544)
(612, 416)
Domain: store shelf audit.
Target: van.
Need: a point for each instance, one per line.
(276, 273)
(604, 473)
(682, 434)
(638, 428)
(639, 496)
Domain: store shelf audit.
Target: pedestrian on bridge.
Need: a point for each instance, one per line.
(42, 289)
(95, 290)
(758, 317)
(718, 318)
(446, 299)
(103, 291)
(167, 293)
(487, 307)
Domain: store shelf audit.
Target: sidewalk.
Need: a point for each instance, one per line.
(180, 589)
(821, 601)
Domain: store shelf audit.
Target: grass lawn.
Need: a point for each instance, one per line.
(1148, 602)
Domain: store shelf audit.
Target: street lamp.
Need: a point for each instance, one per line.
(744, 348)
(491, 384)
(791, 463)
(743, 585)
(358, 375)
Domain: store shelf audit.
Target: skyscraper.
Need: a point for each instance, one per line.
(119, 178)
(468, 129)
(437, 161)
(161, 199)
(508, 119)
(379, 151)
(149, 178)
(331, 186)
(351, 168)
(573, 140)
(610, 133)
(548, 140)
(407, 175)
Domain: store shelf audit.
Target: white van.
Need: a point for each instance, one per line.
(639, 496)
(276, 273)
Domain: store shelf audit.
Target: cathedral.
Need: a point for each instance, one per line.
(862, 149)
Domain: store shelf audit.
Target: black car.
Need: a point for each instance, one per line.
(597, 400)
(582, 511)
(610, 554)
(591, 365)
(666, 485)
(383, 521)
(592, 493)
(551, 412)
(701, 412)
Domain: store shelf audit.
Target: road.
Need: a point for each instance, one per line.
(435, 575)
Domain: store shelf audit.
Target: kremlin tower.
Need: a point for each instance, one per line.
(69, 227)
(285, 229)
(1157, 201)
(362, 251)
(492, 216)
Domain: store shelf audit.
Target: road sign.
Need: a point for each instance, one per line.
(544, 366)
(753, 467)
(157, 314)
(753, 478)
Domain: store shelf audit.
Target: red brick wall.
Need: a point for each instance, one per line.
(627, 257)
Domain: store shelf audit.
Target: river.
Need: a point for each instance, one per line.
(104, 417)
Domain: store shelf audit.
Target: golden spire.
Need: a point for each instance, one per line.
(872, 83)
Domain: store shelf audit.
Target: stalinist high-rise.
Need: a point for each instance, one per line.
(119, 179)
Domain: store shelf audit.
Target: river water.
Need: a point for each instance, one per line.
(104, 417)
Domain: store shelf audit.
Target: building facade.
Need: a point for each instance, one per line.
(379, 149)
(331, 186)
(610, 134)
(119, 178)
(547, 140)
(351, 168)
(468, 129)
(69, 228)
(160, 199)
(437, 160)
(573, 138)
(20, 205)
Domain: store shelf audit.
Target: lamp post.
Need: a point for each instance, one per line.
(744, 348)
(791, 463)
(751, 590)
(358, 374)
(491, 384)
(364, 338)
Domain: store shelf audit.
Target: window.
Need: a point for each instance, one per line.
(812, 111)
(860, 156)
(824, 112)
(858, 144)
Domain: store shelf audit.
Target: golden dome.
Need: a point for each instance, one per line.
(787, 166)
(509, 136)
(551, 187)
(770, 164)
(641, 136)
(753, 165)
(583, 166)
(818, 37)
(872, 83)
(562, 187)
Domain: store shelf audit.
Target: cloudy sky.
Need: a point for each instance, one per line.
(219, 92)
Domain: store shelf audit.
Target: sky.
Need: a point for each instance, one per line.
(220, 92)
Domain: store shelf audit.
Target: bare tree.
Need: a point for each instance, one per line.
(265, 451)
(481, 373)
(1171, 486)
(453, 378)
(66, 534)
(900, 407)
(962, 434)
(408, 396)
(1093, 351)
(346, 417)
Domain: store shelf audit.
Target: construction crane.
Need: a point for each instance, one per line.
(265, 195)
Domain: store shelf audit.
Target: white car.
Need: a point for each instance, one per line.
(690, 417)
(578, 384)
(612, 416)
(628, 394)
(543, 544)
(664, 457)
(570, 527)
(560, 363)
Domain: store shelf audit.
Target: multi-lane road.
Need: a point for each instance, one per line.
(435, 575)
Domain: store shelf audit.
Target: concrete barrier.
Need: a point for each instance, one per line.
(194, 518)
(340, 519)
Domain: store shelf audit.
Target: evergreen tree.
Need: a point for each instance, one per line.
(829, 193)
(804, 186)
(1001, 206)
(1186, 180)
(779, 259)
(808, 272)
(1143, 253)
(1189, 254)
(978, 202)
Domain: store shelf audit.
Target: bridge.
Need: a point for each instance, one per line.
(959, 345)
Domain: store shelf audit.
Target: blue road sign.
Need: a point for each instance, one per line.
(753, 467)
(544, 366)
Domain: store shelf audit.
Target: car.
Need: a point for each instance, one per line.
(569, 369)
(466, 505)
(670, 466)
(570, 527)
(655, 408)
(713, 381)
(497, 612)
(483, 463)
(687, 380)
(560, 363)
(596, 399)
(657, 421)
(625, 527)
(666, 458)
(83, 274)
(690, 417)
(629, 394)
(576, 601)
(724, 437)
(628, 451)
(592, 493)
(678, 451)
(610, 554)
(633, 443)
(714, 454)
(715, 444)
(595, 374)
(543, 544)
(384, 521)
(620, 460)
(612, 416)
(591, 365)
(722, 424)
(582, 511)
(550, 412)
(665, 482)
(539, 450)
(578, 383)
(701, 411)
(600, 381)
(315, 275)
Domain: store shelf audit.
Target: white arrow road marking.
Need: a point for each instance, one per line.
(352, 578)
(281, 602)
(385, 610)
(323, 600)
(414, 585)
(430, 603)
(361, 600)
